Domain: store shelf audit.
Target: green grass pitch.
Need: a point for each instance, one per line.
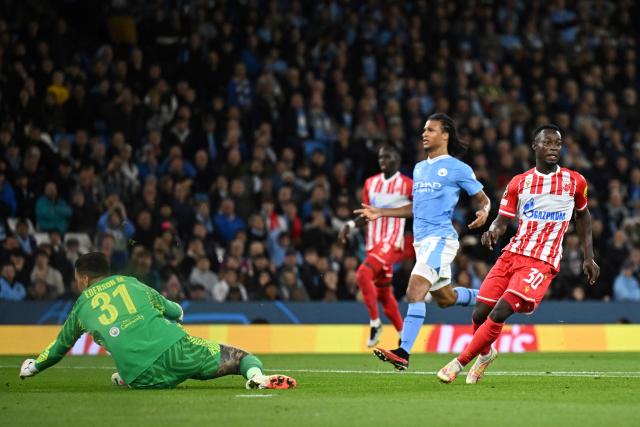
(569, 389)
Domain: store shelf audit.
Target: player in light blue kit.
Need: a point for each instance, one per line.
(437, 182)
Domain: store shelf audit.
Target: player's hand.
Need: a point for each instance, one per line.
(481, 218)
(592, 270)
(489, 239)
(342, 236)
(370, 213)
(28, 369)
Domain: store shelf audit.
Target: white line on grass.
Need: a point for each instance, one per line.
(254, 395)
(611, 374)
(605, 374)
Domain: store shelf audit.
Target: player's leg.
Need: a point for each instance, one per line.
(390, 305)
(365, 278)
(218, 360)
(235, 361)
(386, 297)
(484, 336)
(416, 311)
(526, 288)
(491, 290)
(172, 367)
(448, 296)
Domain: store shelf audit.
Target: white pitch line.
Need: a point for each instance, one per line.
(254, 395)
(605, 374)
(612, 374)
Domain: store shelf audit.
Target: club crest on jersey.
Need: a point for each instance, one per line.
(566, 184)
(442, 172)
(528, 181)
(529, 211)
(114, 332)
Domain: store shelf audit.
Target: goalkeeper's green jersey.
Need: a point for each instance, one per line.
(130, 319)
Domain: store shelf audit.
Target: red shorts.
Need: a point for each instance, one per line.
(382, 257)
(523, 276)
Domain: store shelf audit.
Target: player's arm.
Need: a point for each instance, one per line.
(371, 213)
(583, 228)
(466, 180)
(497, 228)
(506, 213)
(360, 221)
(173, 310)
(71, 331)
(169, 309)
(483, 202)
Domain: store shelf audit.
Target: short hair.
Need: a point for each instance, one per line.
(455, 146)
(549, 126)
(93, 264)
(391, 147)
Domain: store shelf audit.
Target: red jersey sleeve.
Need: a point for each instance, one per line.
(509, 202)
(580, 195)
(365, 191)
(408, 188)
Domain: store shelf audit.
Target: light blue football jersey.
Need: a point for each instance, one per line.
(436, 189)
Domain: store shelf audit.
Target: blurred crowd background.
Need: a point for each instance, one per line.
(214, 149)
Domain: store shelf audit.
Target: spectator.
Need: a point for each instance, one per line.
(40, 291)
(291, 287)
(287, 126)
(230, 289)
(58, 257)
(27, 242)
(202, 275)
(10, 289)
(173, 289)
(227, 224)
(115, 223)
(52, 213)
(22, 267)
(44, 271)
(310, 276)
(142, 269)
(626, 287)
(73, 251)
(8, 201)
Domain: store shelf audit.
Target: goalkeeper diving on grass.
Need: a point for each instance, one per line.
(138, 327)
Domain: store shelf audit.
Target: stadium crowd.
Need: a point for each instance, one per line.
(213, 149)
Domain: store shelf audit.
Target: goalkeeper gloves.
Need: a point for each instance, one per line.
(28, 369)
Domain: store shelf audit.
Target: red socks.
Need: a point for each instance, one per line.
(372, 294)
(485, 335)
(475, 328)
(390, 306)
(364, 278)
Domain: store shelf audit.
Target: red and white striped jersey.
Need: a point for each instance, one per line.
(387, 193)
(544, 205)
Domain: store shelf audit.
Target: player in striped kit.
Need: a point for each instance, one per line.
(544, 199)
(386, 243)
(437, 182)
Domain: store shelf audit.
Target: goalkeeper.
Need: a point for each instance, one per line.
(136, 325)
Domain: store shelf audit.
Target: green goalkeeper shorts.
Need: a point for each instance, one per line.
(191, 357)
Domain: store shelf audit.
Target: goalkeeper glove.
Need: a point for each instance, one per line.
(28, 369)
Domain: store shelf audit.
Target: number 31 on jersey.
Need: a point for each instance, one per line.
(110, 312)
